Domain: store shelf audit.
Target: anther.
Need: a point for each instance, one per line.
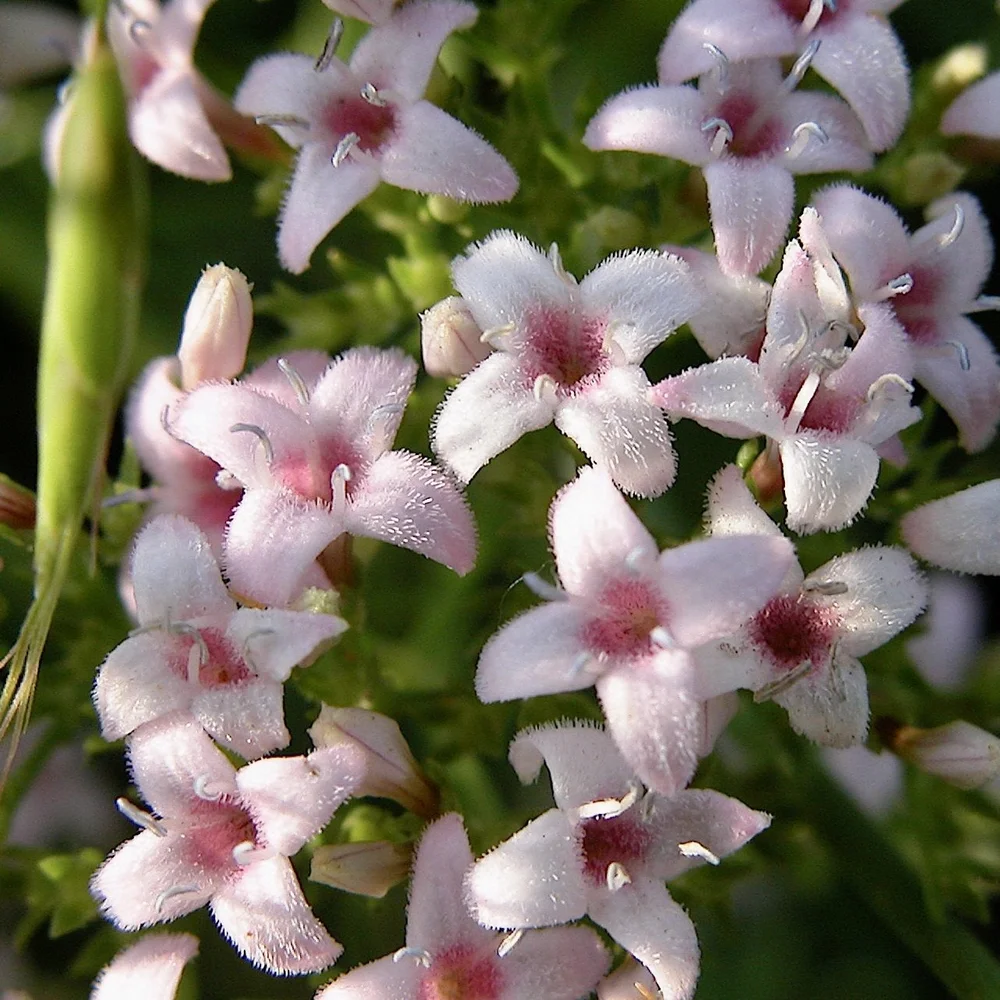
(339, 479)
(721, 69)
(380, 422)
(255, 634)
(545, 385)
(580, 663)
(883, 382)
(260, 434)
(372, 96)
(801, 402)
(659, 636)
(344, 148)
(420, 954)
(508, 943)
(800, 66)
(825, 588)
(897, 286)
(543, 589)
(964, 361)
(330, 45)
(610, 808)
(617, 876)
(276, 121)
(296, 381)
(774, 688)
(695, 849)
(139, 31)
(225, 480)
(140, 817)
(723, 134)
(176, 890)
(132, 496)
(801, 137)
(644, 992)
(204, 789)
(246, 853)
(556, 260)
(814, 13)
(489, 336)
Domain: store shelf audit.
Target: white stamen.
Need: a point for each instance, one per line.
(883, 383)
(225, 480)
(610, 345)
(296, 381)
(344, 147)
(140, 817)
(659, 636)
(772, 688)
(260, 434)
(338, 488)
(543, 589)
(721, 69)
(802, 400)
(825, 588)
(193, 664)
(379, 422)
(255, 634)
(509, 941)
(617, 876)
(132, 496)
(176, 890)
(964, 361)
(898, 286)
(610, 808)
(330, 45)
(139, 31)
(723, 134)
(647, 806)
(420, 954)
(247, 853)
(800, 66)
(694, 849)
(489, 336)
(204, 789)
(985, 303)
(814, 13)
(556, 259)
(946, 239)
(802, 136)
(372, 96)
(545, 385)
(279, 121)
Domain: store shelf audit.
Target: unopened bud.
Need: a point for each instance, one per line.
(17, 504)
(216, 327)
(963, 65)
(630, 981)
(450, 339)
(367, 869)
(960, 753)
(391, 771)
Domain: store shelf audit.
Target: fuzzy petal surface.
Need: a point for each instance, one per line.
(559, 963)
(976, 111)
(276, 641)
(846, 146)
(383, 979)
(247, 718)
(732, 510)
(150, 968)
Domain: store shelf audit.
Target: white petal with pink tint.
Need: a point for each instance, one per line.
(268, 920)
(845, 147)
(976, 111)
(559, 963)
(247, 718)
(275, 641)
(732, 510)
(150, 968)
(619, 430)
(379, 980)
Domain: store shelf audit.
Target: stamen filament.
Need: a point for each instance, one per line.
(140, 817)
(802, 400)
(296, 381)
(338, 487)
(330, 45)
(946, 239)
(723, 134)
(964, 361)
(814, 13)
(543, 589)
(177, 890)
(489, 336)
(420, 954)
(260, 434)
(694, 849)
(985, 303)
(508, 943)
(776, 687)
(247, 853)
(883, 382)
(344, 148)
(545, 385)
(802, 135)
(289, 121)
(556, 259)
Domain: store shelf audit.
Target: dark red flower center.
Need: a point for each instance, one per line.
(565, 346)
(373, 124)
(755, 133)
(630, 609)
(213, 830)
(792, 629)
(462, 972)
(219, 662)
(618, 840)
(797, 10)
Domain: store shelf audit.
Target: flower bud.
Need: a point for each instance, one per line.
(450, 339)
(367, 869)
(960, 67)
(630, 981)
(391, 771)
(960, 753)
(216, 327)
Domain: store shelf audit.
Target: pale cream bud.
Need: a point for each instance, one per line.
(217, 327)
(630, 981)
(450, 339)
(960, 753)
(391, 771)
(963, 65)
(367, 869)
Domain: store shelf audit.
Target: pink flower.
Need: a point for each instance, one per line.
(942, 268)
(150, 968)
(566, 352)
(976, 111)
(448, 954)
(858, 52)
(800, 649)
(223, 837)
(605, 851)
(365, 122)
(372, 11)
(750, 132)
(318, 465)
(626, 622)
(196, 652)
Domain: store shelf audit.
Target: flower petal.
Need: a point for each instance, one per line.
(275, 641)
(560, 963)
(433, 153)
(732, 510)
(383, 979)
(976, 111)
(247, 718)
(150, 968)
(621, 431)
(845, 147)
(269, 922)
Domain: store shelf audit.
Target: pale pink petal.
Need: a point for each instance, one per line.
(732, 510)
(247, 718)
(862, 58)
(560, 963)
(383, 979)
(485, 414)
(150, 968)
(730, 665)
(846, 146)
(269, 379)
(971, 396)
(830, 706)
(583, 762)
(437, 917)
(371, 11)
(883, 348)
(645, 921)
(873, 780)
(976, 111)
(136, 685)
(180, 22)
(360, 398)
(594, 531)
(433, 153)
(655, 718)
(406, 500)
(746, 30)
(727, 396)
(750, 202)
(885, 593)
(662, 120)
(621, 431)
(535, 879)
(35, 39)
(292, 798)
(958, 532)
(539, 652)
(174, 574)
(269, 922)
(274, 641)
(319, 196)
(168, 125)
(625, 981)
(505, 280)
(645, 296)
(795, 306)
(272, 540)
(400, 53)
(828, 480)
(709, 818)
(714, 585)
(866, 235)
